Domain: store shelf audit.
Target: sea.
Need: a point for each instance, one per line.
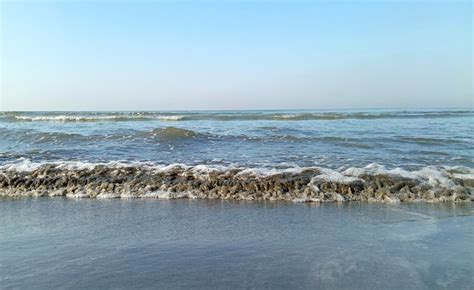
(410, 139)
(185, 240)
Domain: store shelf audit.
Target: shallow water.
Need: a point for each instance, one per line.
(49, 243)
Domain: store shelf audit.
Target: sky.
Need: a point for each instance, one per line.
(116, 55)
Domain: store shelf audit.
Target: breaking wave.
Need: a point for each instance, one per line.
(224, 116)
(373, 183)
(98, 118)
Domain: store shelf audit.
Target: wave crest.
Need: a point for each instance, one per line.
(226, 116)
(172, 133)
(99, 118)
(373, 183)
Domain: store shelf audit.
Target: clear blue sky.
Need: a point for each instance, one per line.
(111, 55)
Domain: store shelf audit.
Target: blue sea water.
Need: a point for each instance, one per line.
(410, 139)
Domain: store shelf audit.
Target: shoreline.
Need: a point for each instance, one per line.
(373, 183)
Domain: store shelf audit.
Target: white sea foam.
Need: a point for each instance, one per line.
(56, 193)
(90, 118)
(265, 172)
(170, 118)
(77, 195)
(434, 177)
(21, 164)
(431, 175)
(159, 194)
(287, 116)
(73, 118)
(375, 169)
(330, 175)
(170, 167)
(26, 165)
(464, 176)
(108, 195)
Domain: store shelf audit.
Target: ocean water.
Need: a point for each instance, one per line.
(159, 219)
(410, 139)
(48, 243)
(373, 155)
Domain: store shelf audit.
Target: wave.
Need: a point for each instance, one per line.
(171, 118)
(225, 116)
(171, 133)
(100, 118)
(428, 140)
(370, 115)
(373, 183)
(29, 136)
(34, 137)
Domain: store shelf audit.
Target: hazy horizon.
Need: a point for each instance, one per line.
(105, 56)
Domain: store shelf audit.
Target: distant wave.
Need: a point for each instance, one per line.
(103, 118)
(427, 140)
(170, 133)
(224, 116)
(29, 136)
(373, 183)
(171, 118)
(369, 115)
